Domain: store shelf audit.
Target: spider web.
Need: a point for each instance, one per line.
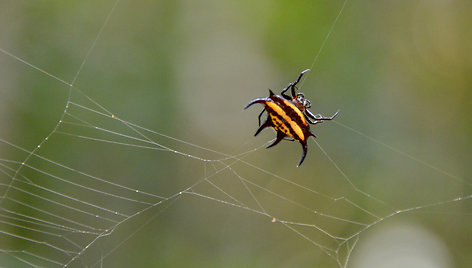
(93, 188)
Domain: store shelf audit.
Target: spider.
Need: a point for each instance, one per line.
(289, 116)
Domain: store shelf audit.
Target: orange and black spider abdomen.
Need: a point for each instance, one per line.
(289, 116)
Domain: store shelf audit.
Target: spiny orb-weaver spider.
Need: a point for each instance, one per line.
(289, 116)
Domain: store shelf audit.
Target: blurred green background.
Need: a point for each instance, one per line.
(400, 71)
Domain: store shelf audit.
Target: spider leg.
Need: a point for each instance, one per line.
(259, 117)
(313, 122)
(280, 136)
(293, 85)
(267, 123)
(300, 76)
(293, 89)
(319, 118)
(289, 139)
(285, 90)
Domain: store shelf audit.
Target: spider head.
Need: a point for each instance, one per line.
(300, 98)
